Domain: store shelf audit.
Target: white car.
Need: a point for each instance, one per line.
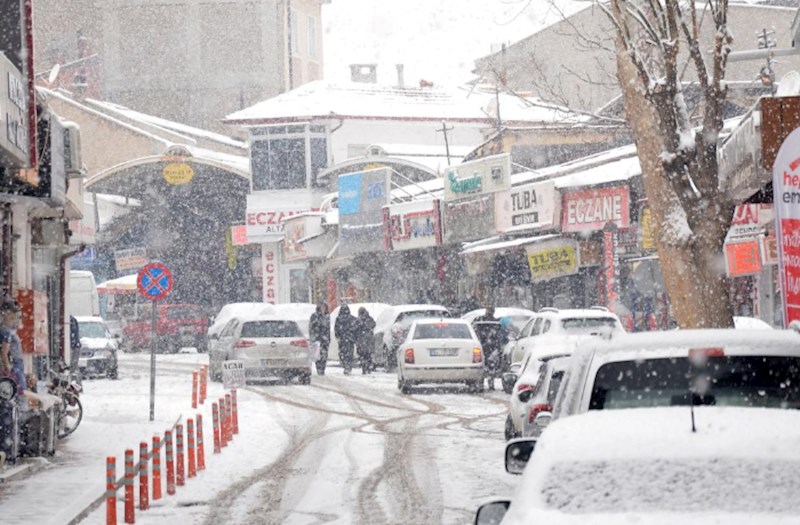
(298, 312)
(270, 346)
(98, 355)
(531, 381)
(393, 324)
(553, 331)
(654, 466)
(229, 311)
(519, 317)
(750, 323)
(440, 351)
(374, 309)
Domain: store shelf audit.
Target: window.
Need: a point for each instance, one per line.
(442, 331)
(312, 37)
(229, 328)
(258, 329)
(285, 157)
(93, 330)
(588, 325)
(537, 326)
(546, 328)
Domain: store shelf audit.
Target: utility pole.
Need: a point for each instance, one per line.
(444, 131)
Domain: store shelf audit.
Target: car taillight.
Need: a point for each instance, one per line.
(244, 343)
(477, 355)
(302, 343)
(706, 352)
(535, 409)
(409, 353)
(523, 388)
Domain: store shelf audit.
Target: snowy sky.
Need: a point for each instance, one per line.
(437, 40)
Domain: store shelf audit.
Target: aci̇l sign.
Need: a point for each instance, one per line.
(786, 188)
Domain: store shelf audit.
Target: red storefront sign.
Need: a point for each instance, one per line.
(742, 258)
(591, 210)
(786, 190)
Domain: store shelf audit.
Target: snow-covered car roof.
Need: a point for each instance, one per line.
(578, 312)
(434, 320)
(609, 467)
(401, 308)
(291, 310)
(530, 375)
(263, 317)
(371, 307)
(750, 323)
(500, 311)
(89, 319)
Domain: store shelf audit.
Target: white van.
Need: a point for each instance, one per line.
(82, 298)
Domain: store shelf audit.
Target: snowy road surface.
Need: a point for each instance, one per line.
(346, 449)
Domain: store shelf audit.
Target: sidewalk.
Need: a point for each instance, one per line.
(22, 468)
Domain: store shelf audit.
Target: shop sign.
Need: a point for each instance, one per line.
(477, 177)
(611, 266)
(469, 220)
(412, 225)
(739, 155)
(239, 235)
(14, 113)
(646, 231)
(298, 232)
(742, 258)
(130, 259)
(270, 272)
(531, 206)
(550, 259)
(591, 210)
(750, 220)
(769, 250)
(786, 190)
(362, 196)
(178, 174)
(266, 213)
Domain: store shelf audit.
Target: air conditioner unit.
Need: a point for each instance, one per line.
(72, 150)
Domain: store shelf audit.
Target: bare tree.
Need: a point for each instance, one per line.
(690, 205)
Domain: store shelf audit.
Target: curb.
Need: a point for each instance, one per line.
(21, 468)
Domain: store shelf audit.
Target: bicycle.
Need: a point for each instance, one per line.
(70, 410)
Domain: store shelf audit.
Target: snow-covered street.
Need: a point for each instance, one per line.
(346, 449)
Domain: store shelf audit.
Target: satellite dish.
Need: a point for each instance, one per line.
(54, 73)
(789, 85)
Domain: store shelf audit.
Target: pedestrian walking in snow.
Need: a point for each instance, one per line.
(345, 330)
(320, 331)
(364, 339)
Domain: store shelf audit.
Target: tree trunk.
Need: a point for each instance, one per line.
(692, 261)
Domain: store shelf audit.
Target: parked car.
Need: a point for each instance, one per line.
(533, 393)
(98, 357)
(177, 326)
(297, 312)
(657, 466)
(374, 309)
(270, 346)
(553, 331)
(440, 351)
(391, 328)
(231, 310)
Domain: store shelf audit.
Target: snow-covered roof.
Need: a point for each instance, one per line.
(356, 100)
(494, 243)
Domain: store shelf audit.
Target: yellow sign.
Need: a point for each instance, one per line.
(646, 227)
(551, 259)
(178, 174)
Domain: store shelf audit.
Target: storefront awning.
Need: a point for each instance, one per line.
(496, 243)
(120, 285)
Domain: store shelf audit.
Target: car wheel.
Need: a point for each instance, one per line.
(508, 386)
(475, 387)
(405, 388)
(305, 378)
(509, 431)
(112, 373)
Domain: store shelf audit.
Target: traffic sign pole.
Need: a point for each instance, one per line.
(153, 361)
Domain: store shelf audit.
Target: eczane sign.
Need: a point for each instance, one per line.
(591, 210)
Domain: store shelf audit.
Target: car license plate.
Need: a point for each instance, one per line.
(271, 363)
(443, 352)
(187, 330)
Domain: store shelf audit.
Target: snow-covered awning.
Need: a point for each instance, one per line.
(120, 285)
(494, 243)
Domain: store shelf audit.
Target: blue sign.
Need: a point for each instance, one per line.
(350, 193)
(86, 257)
(154, 281)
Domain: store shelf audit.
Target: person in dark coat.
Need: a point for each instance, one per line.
(364, 339)
(320, 332)
(346, 331)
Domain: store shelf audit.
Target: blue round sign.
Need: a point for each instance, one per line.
(154, 281)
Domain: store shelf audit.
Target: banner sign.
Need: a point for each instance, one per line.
(646, 234)
(591, 210)
(412, 225)
(270, 267)
(233, 375)
(477, 177)
(550, 259)
(786, 191)
(750, 221)
(532, 206)
(362, 196)
(130, 259)
(611, 267)
(469, 220)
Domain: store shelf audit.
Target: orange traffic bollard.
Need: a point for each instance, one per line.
(144, 493)
(111, 490)
(156, 455)
(235, 412)
(228, 418)
(203, 383)
(223, 423)
(190, 453)
(194, 389)
(215, 426)
(201, 453)
(129, 510)
(180, 477)
(170, 458)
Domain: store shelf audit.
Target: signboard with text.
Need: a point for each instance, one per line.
(469, 220)
(412, 225)
(233, 374)
(550, 259)
(362, 196)
(591, 210)
(266, 212)
(750, 220)
(269, 271)
(130, 259)
(477, 177)
(786, 190)
(532, 206)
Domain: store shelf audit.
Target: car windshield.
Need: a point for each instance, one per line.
(673, 485)
(92, 329)
(749, 381)
(184, 312)
(588, 325)
(258, 329)
(442, 331)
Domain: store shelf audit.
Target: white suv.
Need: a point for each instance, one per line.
(557, 332)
